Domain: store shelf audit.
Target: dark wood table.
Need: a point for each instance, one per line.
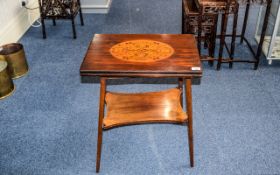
(143, 55)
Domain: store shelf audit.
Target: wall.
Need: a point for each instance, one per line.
(95, 6)
(14, 21)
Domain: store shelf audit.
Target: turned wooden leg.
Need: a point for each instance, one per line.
(100, 121)
(188, 87)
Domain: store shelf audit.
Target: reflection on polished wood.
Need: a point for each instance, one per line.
(148, 107)
(185, 62)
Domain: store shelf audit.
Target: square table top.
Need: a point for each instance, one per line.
(142, 55)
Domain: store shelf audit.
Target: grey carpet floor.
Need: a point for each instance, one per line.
(49, 125)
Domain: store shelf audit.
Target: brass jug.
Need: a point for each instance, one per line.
(6, 83)
(14, 55)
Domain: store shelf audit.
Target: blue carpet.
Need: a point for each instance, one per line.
(49, 125)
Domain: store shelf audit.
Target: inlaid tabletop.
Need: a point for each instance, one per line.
(152, 55)
(141, 51)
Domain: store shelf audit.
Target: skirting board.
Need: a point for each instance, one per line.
(18, 25)
(103, 9)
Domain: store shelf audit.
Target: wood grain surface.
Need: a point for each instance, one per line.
(149, 107)
(185, 62)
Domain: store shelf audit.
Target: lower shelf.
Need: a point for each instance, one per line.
(149, 107)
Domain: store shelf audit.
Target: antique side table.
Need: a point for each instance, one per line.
(149, 56)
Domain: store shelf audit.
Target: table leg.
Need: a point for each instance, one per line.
(81, 14)
(54, 23)
(265, 24)
(199, 30)
(43, 27)
(188, 89)
(212, 42)
(183, 18)
(245, 22)
(100, 121)
(232, 47)
(180, 86)
(222, 39)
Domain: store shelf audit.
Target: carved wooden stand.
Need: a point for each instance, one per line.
(190, 25)
(227, 7)
(256, 54)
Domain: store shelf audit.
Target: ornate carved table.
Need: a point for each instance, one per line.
(226, 7)
(208, 29)
(149, 56)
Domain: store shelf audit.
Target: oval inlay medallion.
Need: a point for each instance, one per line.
(141, 51)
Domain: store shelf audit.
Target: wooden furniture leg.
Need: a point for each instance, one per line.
(199, 30)
(81, 14)
(223, 36)
(73, 28)
(188, 89)
(222, 40)
(232, 47)
(183, 18)
(100, 121)
(265, 25)
(245, 23)
(213, 41)
(180, 86)
(43, 28)
(54, 23)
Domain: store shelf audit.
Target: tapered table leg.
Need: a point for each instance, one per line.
(100, 121)
(43, 28)
(244, 26)
(222, 39)
(188, 87)
(232, 47)
(180, 86)
(265, 25)
(199, 30)
(54, 23)
(81, 14)
(74, 28)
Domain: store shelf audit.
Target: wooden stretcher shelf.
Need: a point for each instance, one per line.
(149, 107)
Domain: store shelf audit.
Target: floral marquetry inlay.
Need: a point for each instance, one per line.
(141, 51)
